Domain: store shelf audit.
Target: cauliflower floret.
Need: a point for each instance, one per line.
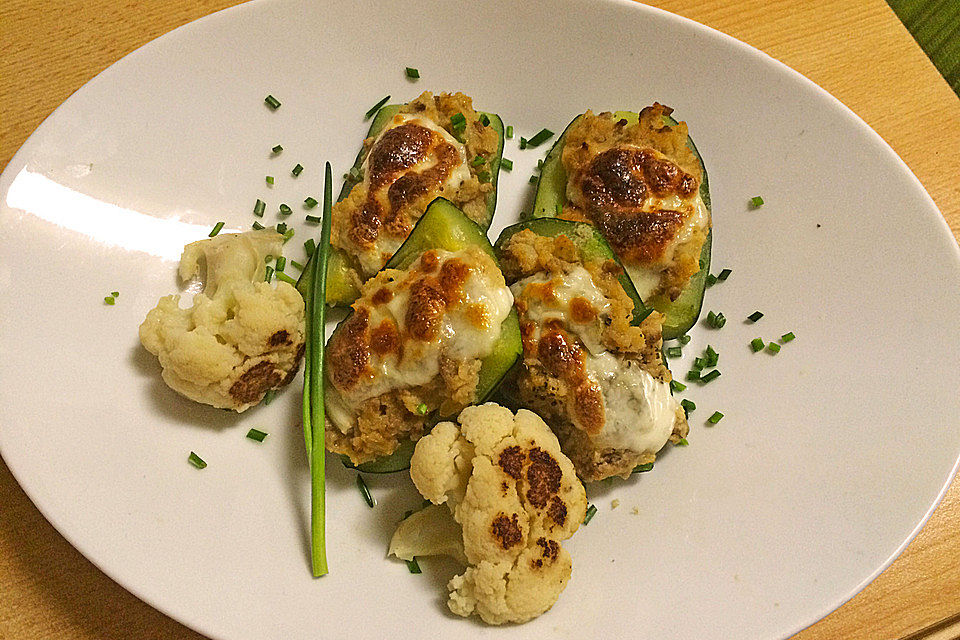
(515, 497)
(241, 337)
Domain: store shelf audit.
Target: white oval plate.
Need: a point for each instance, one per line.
(828, 460)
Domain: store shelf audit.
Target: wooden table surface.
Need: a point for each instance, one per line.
(857, 50)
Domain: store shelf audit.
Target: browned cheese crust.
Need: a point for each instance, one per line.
(615, 169)
(553, 381)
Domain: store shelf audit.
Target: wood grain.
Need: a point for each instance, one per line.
(857, 50)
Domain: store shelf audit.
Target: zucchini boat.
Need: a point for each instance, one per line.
(433, 332)
(592, 364)
(438, 131)
(680, 300)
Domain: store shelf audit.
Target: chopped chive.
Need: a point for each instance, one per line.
(476, 162)
(507, 164)
(310, 203)
(712, 357)
(757, 344)
(413, 566)
(355, 174)
(510, 132)
(282, 276)
(422, 408)
(753, 317)
(715, 418)
(699, 363)
(711, 279)
(285, 209)
(724, 274)
(289, 233)
(314, 219)
(269, 396)
(365, 492)
(270, 180)
(375, 108)
(787, 337)
(257, 226)
(688, 406)
(677, 386)
(643, 468)
(259, 208)
(682, 442)
(116, 294)
(484, 119)
(458, 121)
(110, 300)
(591, 511)
(297, 265)
(533, 180)
(256, 434)
(268, 274)
(702, 264)
(693, 375)
(267, 259)
(272, 102)
(484, 176)
(539, 165)
(542, 136)
(196, 460)
(412, 73)
(277, 149)
(281, 227)
(309, 246)
(756, 201)
(684, 339)
(297, 170)
(215, 230)
(674, 352)
(773, 348)
(713, 375)
(281, 263)
(523, 142)
(711, 318)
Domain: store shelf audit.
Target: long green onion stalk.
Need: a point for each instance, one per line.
(313, 379)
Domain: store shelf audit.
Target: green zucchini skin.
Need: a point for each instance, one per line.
(679, 314)
(444, 226)
(592, 246)
(340, 290)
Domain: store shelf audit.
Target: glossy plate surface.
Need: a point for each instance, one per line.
(829, 457)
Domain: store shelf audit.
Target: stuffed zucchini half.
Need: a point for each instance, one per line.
(591, 366)
(433, 332)
(640, 180)
(433, 146)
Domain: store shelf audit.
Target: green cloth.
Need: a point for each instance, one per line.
(935, 25)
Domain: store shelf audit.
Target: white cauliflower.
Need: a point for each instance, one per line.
(515, 497)
(241, 337)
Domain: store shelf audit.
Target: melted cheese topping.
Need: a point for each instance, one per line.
(447, 304)
(614, 400)
(412, 160)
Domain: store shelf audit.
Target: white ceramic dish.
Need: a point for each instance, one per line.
(829, 459)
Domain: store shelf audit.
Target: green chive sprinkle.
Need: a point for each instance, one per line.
(713, 375)
(533, 180)
(724, 274)
(715, 418)
(281, 263)
(109, 300)
(277, 149)
(215, 230)
(684, 339)
(412, 73)
(757, 344)
(677, 386)
(309, 246)
(559, 208)
(422, 408)
(413, 566)
(773, 348)
(484, 119)
(643, 468)
(753, 317)
(356, 174)
(282, 276)
(270, 180)
(787, 337)
(682, 442)
(314, 219)
(674, 352)
(196, 460)
(259, 208)
(711, 279)
(477, 161)
(256, 434)
(693, 375)
(523, 142)
(272, 102)
(458, 121)
(310, 203)
(484, 176)
(297, 265)
(285, 210)
(281, 227)
(591, 511)
(688, 406)
(268, 274)
(288, 234)
(711, 318)
(542, 136)
(699, 363)
(365, 492)
(756, 201)
(375, 108)
(297, 170)
(267, 259)
(507, 164)
(269, 396)
(257, 226)
(712, 357)
(510, 132)
(539, 165)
